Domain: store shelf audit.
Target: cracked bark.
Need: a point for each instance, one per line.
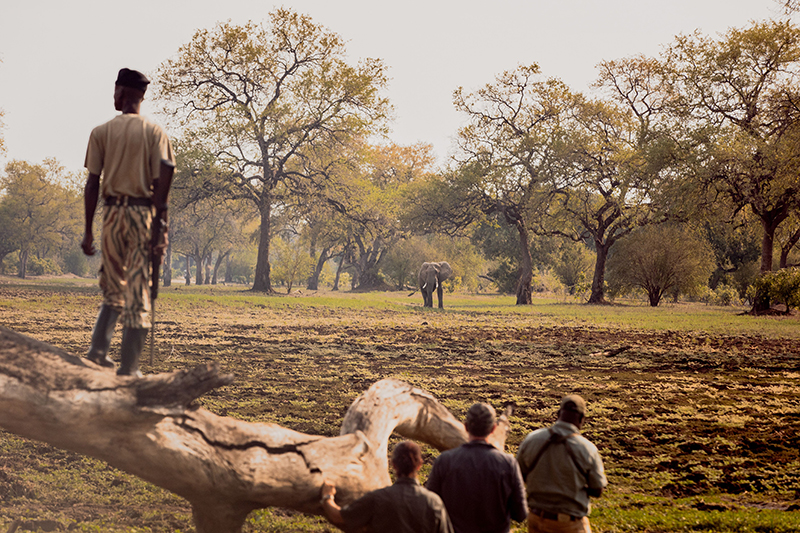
(224, 467)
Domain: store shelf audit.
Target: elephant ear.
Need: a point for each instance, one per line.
(445, 271)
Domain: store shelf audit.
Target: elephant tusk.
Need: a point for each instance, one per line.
(425, 285)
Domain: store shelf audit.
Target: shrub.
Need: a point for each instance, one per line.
(41, 267)
(75, 262)
(724, 295)
(782, 286)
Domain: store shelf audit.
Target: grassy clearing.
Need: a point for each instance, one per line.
(697, 417)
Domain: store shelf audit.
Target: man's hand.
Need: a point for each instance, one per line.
(87, 245)
(328, 489)
(329, 507)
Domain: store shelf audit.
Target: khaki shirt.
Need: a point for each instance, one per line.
(555, 484)
(127, 150)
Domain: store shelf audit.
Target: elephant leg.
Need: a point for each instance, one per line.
(427, 297)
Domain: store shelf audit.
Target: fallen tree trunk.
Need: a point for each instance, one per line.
(224, 467)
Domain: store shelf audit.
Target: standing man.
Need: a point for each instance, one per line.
(481, 486)
(136, 161)
(562, 470)
(404, 507)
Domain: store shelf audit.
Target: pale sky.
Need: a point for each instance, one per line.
(59, 58)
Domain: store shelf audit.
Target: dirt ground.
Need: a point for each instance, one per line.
(710, 421)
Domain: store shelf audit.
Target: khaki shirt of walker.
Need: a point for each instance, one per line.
(555, 484)
(127, 150)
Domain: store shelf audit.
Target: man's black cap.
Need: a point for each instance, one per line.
(132, 78)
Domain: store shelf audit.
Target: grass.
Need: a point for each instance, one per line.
(697, 418)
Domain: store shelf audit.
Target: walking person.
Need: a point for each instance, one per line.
(481, 486)
(134, 157)
(562, 470)
(405, 507)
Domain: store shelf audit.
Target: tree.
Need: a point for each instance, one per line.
(616, 171)
(375, 215)
(40, 211)
(2, 139)
(265, 98)
(659, 260)
(739, 93)
(507, 150)
(292, 261)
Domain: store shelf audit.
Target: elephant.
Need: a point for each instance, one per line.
(430, 278)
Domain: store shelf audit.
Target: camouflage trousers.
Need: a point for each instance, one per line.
(125, 272)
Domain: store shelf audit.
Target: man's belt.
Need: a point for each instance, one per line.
(127, 200)
(560, 517)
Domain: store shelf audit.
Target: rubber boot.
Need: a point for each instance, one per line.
(101, 336)
(132, 344)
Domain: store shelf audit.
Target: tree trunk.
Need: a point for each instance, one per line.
(524, 296)
(22, 272)
(313, 281)
(261, 280)
(654, 297)
(220, 258)
(224, 467)
(188, 274)
(198, 267)
(167, 267)
(338, 274)
(599, 279)
(228, 270)
(761, 302)
(786, 249)
(767, 244)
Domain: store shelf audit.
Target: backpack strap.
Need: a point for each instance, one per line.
(555, 438)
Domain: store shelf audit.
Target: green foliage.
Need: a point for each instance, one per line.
(573, 266)
(41, 267)
(242, 266)
(779, 287)
(724, 295)
(734, 93)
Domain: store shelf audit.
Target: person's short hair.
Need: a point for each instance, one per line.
(481, 419)
(406, 458)
(574, 403)
(133, 79)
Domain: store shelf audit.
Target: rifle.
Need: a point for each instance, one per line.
(158, 239)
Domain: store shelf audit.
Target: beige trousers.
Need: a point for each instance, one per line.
(537, 524)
